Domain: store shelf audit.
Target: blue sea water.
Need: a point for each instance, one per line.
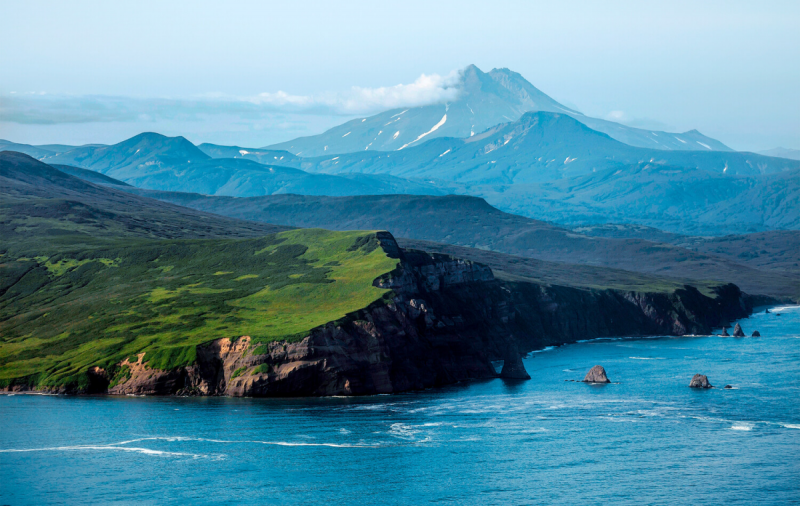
(647, 439)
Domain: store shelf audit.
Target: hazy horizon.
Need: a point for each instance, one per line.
(254, 75)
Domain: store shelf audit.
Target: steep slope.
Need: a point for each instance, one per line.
(540, 146)
(43, 207)
(485, 100)
(302, 312)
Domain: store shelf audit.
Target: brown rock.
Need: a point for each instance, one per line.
(700, 381)
(737, 331)
(756, 333)
(596, 375)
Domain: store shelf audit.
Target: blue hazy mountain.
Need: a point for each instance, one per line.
(40, 152)
(540, 146)
(154, 161)
(260, 155)
(682, 200)
(485, 100)
(792, 154)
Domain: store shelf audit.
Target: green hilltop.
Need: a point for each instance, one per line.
(65, 312)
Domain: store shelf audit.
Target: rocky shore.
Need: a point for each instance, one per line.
(444, 320)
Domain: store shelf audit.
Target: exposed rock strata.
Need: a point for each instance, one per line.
(444, 321)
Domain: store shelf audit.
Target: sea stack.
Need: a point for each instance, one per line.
(513, 368)
(767, 311)
(596, 375)
(756, 333)
(725, 332)
(700, 381)
(737, 331)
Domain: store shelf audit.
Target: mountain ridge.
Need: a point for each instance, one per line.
(485, 100)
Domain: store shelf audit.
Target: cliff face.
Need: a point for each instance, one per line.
(445, 321)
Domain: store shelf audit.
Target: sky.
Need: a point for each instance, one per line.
(255, 73)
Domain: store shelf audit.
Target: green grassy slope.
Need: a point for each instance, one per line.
(63, 313)
(91, 275)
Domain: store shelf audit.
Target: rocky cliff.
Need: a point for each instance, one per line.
(444, 320)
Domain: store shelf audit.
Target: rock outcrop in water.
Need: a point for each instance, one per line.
(756, 333)
(737, 331)
(444, 321)
(725, 332)
(596, 375)
(700, 381)
(513, 368)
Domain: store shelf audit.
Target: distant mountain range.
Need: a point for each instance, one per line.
(485, 100)
(545, 165)
(153, 161)
(540, 146)
(793, 154)
(551, 164)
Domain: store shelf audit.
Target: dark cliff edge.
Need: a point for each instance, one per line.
(443, 320)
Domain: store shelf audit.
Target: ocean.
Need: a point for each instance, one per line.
(647, 438)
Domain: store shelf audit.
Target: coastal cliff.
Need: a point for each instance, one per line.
(444, 320)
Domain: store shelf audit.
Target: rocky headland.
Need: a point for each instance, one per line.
(443, 320)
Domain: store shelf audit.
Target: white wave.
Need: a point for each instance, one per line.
(784, 308)
(791, 425)
(647, 358)
(233, 441)
(545, 349)
(112, 447)
(742, 426)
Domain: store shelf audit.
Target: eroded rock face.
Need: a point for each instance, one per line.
(737, 331)
(756, 333)
(446, 321)
(596, 375)
(513, 368)
(725, 332)
(700, 381)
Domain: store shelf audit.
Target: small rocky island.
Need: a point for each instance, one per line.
(737, 331)
(596, 375)
(513, 368)
(700, 381)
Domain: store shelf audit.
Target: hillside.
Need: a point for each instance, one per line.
(100, 302)
(674, 199)
(471, 222)
(539, 147)
(44, 207)
(484, 101)
(97, 307)
(157, 162)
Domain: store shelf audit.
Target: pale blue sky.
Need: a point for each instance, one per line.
(109, 70)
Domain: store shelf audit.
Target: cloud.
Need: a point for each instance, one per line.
(43, 108)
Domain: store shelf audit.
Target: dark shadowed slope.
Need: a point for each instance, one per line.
(484, 100)
(37, 200)
(470, 221)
